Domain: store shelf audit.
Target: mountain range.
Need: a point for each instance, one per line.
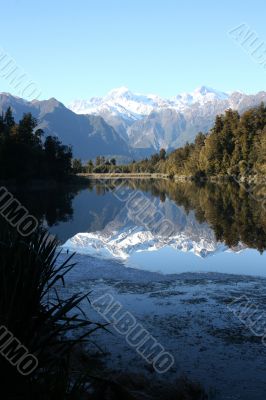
(89, 135)
(130, 125)
(123, 235)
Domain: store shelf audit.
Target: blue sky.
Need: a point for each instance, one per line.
(84, 48)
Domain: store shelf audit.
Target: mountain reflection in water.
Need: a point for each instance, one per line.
(103, 219)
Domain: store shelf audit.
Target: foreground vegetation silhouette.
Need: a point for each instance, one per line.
(33, 310)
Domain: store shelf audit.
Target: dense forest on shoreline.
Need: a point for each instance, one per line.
(25, 156)
(235, 146)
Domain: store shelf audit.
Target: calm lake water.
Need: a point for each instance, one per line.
(159, 225)
(171, 228)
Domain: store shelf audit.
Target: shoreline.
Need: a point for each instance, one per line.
(256, 179)
(115, 175)
(82, 179)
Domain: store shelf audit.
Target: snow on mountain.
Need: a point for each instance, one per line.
(89, 135)
(122, 244)
(122, 101)
(131, 125)
(201, 95)
(150, 122)
(126, 234)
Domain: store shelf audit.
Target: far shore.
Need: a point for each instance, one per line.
(115, 175)
(82, 179)
(255, 179)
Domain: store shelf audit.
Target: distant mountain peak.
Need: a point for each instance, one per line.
(202, 95)
(128, 124)
(150, 122)
(204, 90)
(140, 104)
(119, 92)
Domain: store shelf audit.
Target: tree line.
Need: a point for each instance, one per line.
(25, 154)
(235, 146)
(234, 215)
(100, 165)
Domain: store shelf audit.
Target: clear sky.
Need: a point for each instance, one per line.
(82, 48)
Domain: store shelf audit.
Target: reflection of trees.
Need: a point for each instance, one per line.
(233, 214)
(50, 205)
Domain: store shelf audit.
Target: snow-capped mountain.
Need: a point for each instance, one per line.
(201, 95)
(122, 101)
(127, 125)
(89, 135)
(150, 122)
(126, 234)
(121, 244)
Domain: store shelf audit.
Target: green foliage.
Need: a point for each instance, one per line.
(23, 154)
(100, 160)
(89, 166)
(162, 154)
(57, 158)
(77, 166)
(236, 145)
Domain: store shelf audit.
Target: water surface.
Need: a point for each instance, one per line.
(159, 225)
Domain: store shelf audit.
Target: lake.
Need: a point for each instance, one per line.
(180, 258)
(159, 225)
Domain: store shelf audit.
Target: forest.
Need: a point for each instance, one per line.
(234, 146)
(26, 155)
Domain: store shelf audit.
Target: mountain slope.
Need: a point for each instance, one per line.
(89, 135)
(130, 125)
(150, 122)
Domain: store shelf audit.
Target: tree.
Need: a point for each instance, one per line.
(100, 160)
(162, 154)
(57, 158)
(155, 158)
(89, 166)
(77, 166)
(23, 155)
(9, 119)
(26, 133)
